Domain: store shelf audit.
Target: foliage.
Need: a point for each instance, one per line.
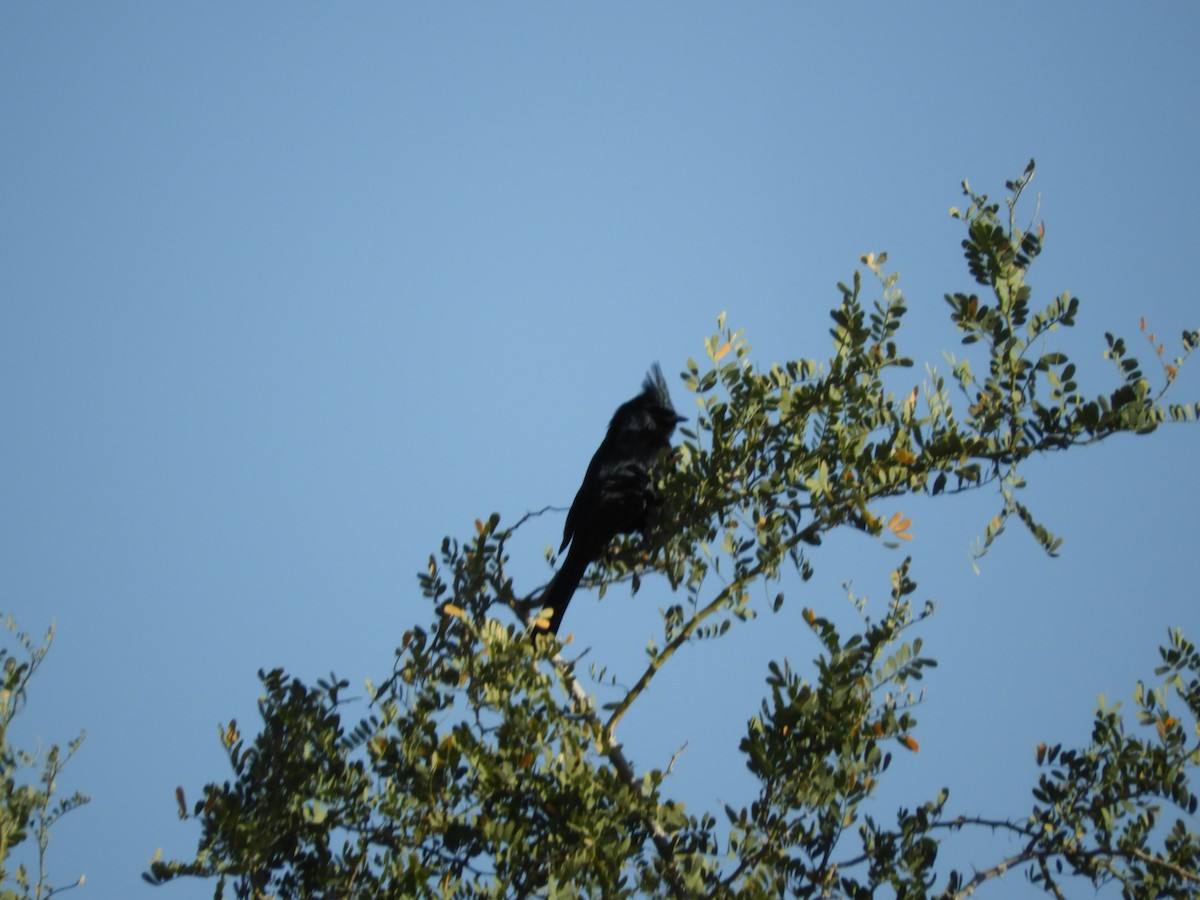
(483, 768)
(28, 808)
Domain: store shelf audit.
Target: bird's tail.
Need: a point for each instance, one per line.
(562, 587)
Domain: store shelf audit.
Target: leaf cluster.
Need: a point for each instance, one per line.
(1101, 810)
(29, 806)
(819, 751)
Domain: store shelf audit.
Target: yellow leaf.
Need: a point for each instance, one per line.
(910, 742)
(904, 457)
(721, 351)
(899, 526)
(451, 610)
(810, 616)
(479, 526)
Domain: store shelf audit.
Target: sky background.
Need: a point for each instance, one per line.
(289, 292)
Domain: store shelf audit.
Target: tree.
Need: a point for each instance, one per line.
(483, 768)
(28, 807)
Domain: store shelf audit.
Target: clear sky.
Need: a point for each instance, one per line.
(289, 292)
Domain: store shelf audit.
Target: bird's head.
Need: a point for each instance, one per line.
(650, 412)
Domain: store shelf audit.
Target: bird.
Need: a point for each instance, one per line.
(617, 493)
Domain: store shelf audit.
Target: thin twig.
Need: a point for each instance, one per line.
(1175, 870)
(678, 753)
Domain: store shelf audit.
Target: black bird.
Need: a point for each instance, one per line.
(617, 491)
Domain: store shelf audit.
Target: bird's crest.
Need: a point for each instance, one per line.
(656, 386)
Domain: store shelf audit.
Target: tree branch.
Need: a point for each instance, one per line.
(690, 626)
(616, 755)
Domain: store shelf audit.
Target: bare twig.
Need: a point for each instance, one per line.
(678, 753)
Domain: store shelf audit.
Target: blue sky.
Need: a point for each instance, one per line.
(291, 292)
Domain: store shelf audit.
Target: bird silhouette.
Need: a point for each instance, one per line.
(617, 492)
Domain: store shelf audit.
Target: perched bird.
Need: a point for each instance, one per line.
(617, 491)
